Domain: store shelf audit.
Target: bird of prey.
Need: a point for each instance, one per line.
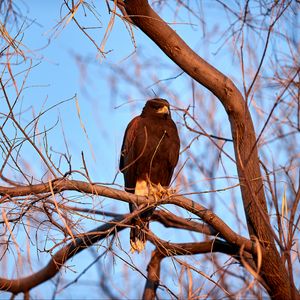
(149, 155)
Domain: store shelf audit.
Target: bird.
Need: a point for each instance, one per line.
(149, 154)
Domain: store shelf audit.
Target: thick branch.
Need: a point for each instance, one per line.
(166, 218)
(241, 124)
(22, 285)
(59, 185)
(153, 275)
(143, 16)
(166, 249)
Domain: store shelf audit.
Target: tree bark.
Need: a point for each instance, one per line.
(25, 284)
(153, 276)
(273, 270)
(63, 184)
(85, 240)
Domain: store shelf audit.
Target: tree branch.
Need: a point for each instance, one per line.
(166, 249)
(166, 218)
(170, 220)
(63, 184)
(144, 17)
(23, 285)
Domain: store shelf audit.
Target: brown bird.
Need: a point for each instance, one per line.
(149, 155)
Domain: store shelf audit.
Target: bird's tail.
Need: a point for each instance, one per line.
(138, 235)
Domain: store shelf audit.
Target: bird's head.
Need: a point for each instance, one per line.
(157, 107)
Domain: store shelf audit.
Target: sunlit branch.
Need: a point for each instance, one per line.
(58, 260)
(166, 249)
(205, 214)
(243, 133)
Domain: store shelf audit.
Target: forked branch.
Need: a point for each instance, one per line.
(243, 134)
(63, 184)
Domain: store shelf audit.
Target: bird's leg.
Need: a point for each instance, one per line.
(164, 192)
(152, 190)
(159, 192)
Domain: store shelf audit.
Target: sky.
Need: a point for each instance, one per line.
(87, 109)
(86, 114)
(60, 76)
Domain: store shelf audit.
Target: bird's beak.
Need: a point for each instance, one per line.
(164, 110)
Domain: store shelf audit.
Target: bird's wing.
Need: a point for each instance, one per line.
(175, 145)
(128, 142)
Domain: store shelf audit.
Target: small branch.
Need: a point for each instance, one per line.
(166, 249)
(23, 285)
(153, 276)
(165, 218)
(243, 134)
(63, 184)
(170, 220)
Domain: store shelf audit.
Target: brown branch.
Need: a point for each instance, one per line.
(153, 275)
(170, 220)
(59, 185)
(23, 285)
(85, 240)
(167, 219)
(166, 249)
(243, 133)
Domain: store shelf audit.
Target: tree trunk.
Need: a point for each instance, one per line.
(272, 269)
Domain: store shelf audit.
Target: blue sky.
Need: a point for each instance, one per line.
(59, 77)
